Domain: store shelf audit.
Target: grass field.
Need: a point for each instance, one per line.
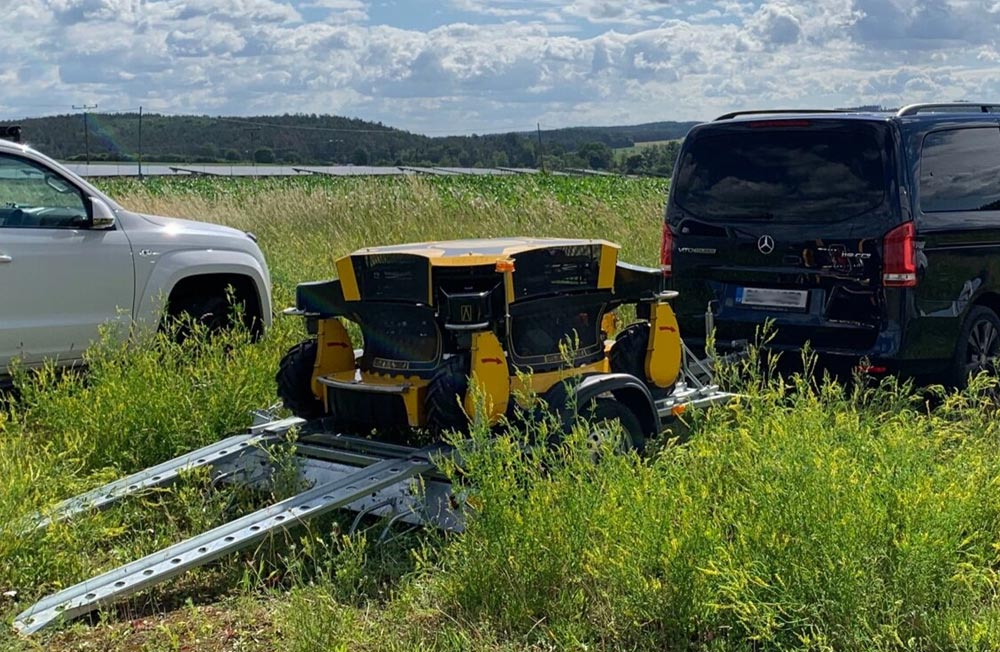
(806, 516)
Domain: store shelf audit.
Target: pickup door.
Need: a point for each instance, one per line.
(59, 279)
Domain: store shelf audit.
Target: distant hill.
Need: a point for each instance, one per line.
(572, 138)
(317, 139)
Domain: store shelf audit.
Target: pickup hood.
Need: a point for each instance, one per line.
(178, 233)
(170, 225)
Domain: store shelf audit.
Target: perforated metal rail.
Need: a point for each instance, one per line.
(213, 455)
(241, 533)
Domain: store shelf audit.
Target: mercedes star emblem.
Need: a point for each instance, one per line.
(765, 244)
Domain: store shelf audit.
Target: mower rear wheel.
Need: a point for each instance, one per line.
(446, 393)
(294, 379)
(628, 355)
(605, 412)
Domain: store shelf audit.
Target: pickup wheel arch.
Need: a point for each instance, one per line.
(211, 298)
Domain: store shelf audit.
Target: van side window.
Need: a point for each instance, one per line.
(960, 170)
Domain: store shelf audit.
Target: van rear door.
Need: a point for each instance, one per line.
(784, 219)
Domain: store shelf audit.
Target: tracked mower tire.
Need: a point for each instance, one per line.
(628, 355)
(445, 395)
(294, 380)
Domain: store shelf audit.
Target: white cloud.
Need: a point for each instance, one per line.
(776, 25)
(583, 62)
(341, 11)
(926, 24)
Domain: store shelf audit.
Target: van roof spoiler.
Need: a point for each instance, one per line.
(956, 107)
(734, 114)
(911, 109)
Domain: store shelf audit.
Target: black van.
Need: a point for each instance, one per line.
(871, 235)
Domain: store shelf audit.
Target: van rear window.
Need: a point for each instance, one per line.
(783, 175)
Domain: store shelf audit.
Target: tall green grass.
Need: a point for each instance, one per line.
(803, 517)
(305, 224)
(806, 515)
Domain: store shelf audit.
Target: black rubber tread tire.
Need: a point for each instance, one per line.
(628, 354)
(958, 372)
(294, 378)
(608, 409)
(445, 393)
(211, 311)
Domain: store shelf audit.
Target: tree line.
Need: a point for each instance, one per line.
(311, 139)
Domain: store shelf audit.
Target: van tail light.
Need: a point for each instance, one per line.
(667, 251)
(899, 257)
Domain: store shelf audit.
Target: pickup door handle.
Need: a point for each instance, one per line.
(4, 258)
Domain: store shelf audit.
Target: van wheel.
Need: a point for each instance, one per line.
(294, 379)
(978, 346)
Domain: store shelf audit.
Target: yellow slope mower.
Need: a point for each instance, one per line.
(517, 317)
(514, 318)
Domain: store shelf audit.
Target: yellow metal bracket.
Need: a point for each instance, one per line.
(663, 353)
(334, 352)
(489, 374)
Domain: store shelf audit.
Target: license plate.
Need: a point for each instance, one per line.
(768, 298)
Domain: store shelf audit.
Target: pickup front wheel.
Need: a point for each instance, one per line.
(212, 312)
(217, 302)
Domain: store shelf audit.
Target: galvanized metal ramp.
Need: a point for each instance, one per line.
(227, 456)
(347, 489)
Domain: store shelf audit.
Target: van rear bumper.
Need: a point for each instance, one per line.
(837, 358)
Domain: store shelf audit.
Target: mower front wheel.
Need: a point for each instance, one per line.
(628, 355)
(294, 380)
(446, 394)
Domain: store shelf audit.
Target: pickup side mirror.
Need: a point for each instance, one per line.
(102, 217)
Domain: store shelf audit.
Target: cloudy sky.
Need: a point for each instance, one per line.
(461, 66)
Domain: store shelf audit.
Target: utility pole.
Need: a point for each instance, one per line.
(140, 143)
(86, 128)
(541, 157)
(253, 146)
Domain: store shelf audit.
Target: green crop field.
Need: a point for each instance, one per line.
(804, 516)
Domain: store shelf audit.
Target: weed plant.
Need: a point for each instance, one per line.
(805, 515)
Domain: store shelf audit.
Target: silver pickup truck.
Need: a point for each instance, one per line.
(72, 259)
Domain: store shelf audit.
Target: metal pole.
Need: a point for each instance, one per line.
(253, 147)
(86, 127)
(541, 156)
(140, 143)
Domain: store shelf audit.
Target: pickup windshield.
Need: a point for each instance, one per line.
(793, 174)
